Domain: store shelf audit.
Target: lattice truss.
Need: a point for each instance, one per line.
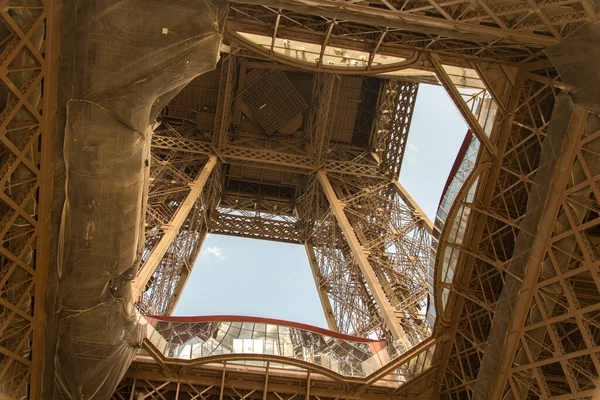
(257, 380)
(25, 143)
(397, 245)
(171, 172)
(558, 352)
(394, 113)
(554, 352)
(262, 220)
(338, 276)
(221, 385)
(394, 242)
(509, 31)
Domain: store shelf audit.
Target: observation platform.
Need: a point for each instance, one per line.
(282, 348)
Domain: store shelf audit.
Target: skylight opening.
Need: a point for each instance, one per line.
(250, 277)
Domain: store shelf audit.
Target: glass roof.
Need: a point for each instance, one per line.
(192, 338)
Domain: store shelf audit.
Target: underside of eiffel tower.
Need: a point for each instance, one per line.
(131, 129)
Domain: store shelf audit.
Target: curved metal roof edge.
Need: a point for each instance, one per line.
(242, 318)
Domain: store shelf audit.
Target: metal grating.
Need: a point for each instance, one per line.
(273, 101)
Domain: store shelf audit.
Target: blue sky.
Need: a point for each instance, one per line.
(269, 279)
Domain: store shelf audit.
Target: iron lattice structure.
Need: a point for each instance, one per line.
(333, 189)
(288, 205)
(28, 55)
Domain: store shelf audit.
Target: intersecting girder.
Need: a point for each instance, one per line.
(358, 252)
(254, 212)
(402, 20)
(172, 229)
(499, 206)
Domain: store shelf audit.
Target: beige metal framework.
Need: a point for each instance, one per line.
(549, 349)
(349, 210)
(326, 178)
(265, 186)
(29, 62)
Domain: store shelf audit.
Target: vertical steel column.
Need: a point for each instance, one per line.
(385, 308)
(45, 179)
(173, 228)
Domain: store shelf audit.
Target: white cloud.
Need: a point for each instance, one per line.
(215, 251)
(411, 153)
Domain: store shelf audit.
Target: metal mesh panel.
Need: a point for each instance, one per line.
(273, 101)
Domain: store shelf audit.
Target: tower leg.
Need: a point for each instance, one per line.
(385, 308)
(171, 231)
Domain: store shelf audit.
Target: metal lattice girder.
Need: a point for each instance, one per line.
(360, 164)
(353, 307)
(493, 201)
(29, 61)
(226, 90)
(257, 225)
(184, 189)
(416, 210)
(394, 113)
(462, 106)
(326, 87)
(491, 30)
(383, 304)
(172, 229)
(389, 247)
(321, 285)
(387, 15)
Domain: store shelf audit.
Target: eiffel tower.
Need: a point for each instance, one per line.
(132, 129)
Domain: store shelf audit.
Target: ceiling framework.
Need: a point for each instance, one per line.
(458, 30)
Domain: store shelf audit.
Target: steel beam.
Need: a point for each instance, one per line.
(385, 308)
(325, 303)
(462, 106)
(265, 389)
(281, 384)
(412, 204)
(173, 228)
(537, 254)
(347, 11)
(225, 103)
(272, 159)
(50, 71)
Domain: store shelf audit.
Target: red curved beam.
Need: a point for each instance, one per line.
(457, 161)
(241, 318)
